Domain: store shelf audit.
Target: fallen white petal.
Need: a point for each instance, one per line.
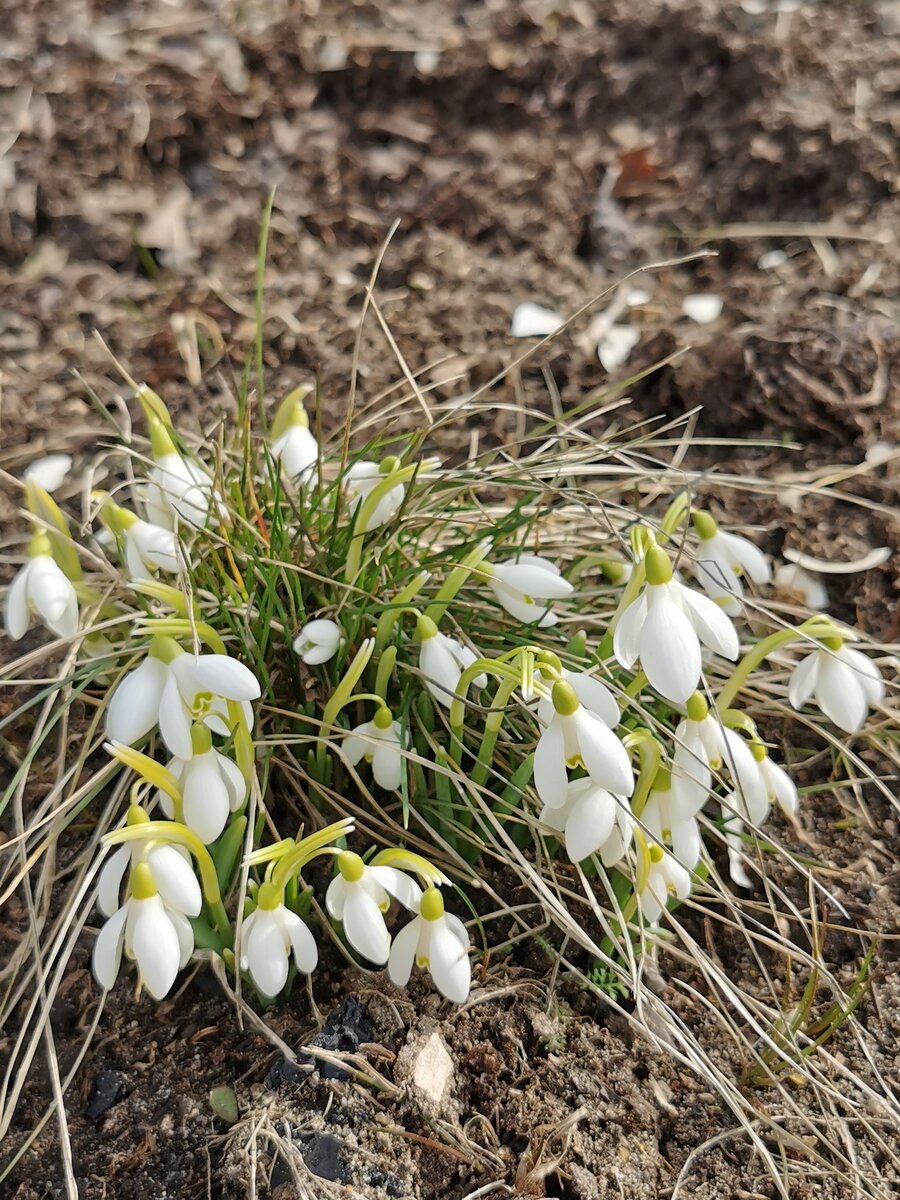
(531, 320)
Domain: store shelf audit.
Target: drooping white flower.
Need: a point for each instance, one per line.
(793, 580)
(50, 472)
(379, 742)
(178, 487)
(41, 589)
(752, 804)
(575, 736)
(721, 560)
(593, 821)
(442, 660)
(362, 479)
(212, 787)
(703, 745)
(317, 641)
(665, 877)
(360, 895)
(174, 689)
(593, 694)
(437, 941)
(292, 443)
(664, 627)
(664, 820)
(844, 683)
(170, 865)
(147, 547)
(268, 938)
(155, 935)
(520, 584)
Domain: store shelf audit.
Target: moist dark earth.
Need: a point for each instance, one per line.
(531, 151)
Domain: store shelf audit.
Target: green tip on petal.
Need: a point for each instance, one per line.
(657, 854)
(565, 699)
(432, 906)
(758, 750)
(164, 648)
(142, 884)
(833, 643)
(351, 866)
(383, 718)
(704, 524)
(201, 739)
(662, 780)
(657, 566)
(40, 544)
(137, 816)
(425, 628)
(697, 708)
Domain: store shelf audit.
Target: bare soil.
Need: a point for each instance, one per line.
(148, 137)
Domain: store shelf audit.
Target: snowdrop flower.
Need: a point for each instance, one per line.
(50, 472)
(178, 486)
(174, 689)
(317, 641)
(594, 695)
(437, 941)
(704, 745)
(41, 589)
(359, 897)
(157, 936)
(170, 865)
(721, 560)
(362, 479)
(442, 660)
(212, 787)
(665, 877)
(775, 786)
(147, 547)
(292, 442)
(666, 823)
(520, 584)
(844, 683)
(795, 582)
(664, 627)
(268, 938)
(575, 736)
(593, 821)
(379, 742)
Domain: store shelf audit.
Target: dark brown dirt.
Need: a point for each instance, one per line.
(148, 137)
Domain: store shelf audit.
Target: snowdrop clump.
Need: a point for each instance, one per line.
(633, 751)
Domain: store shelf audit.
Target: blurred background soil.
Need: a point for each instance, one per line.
(529, 151)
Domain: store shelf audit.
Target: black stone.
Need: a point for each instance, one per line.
(322, 1155)
(107, 1089)
(284, 1073)
(344, 1030)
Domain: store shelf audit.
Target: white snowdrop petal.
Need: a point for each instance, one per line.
(50, 472)
(781, 786)
(174, 720)
(448, 963)
(364, 926)
(205, 798)
(603, 754)
(16, 614)
(627, 637)
(534, 580)
(174, 877)
(354, 746)
(440, 668)
(702, 307)
(225, 676)
(867, 673)
(185, 935)
(713, 626)
(399, 885)
(550, 777)
(134, 705)
(595, 696)
(335, 897)
(616, 346)
(403, 953)
(303, 944)
(235, 784)
(387, 766)
(52, 596)
(107, 955)
(803, 680)
(155, 946)
(670, 652)
(590, 823)
(687, 844)
(840, 694)
(750, 558)
(522, 607)
(109, 882)
(533, 320)
(266, 953)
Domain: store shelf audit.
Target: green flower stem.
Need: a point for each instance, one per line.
(385, 669)
(365, 510)
(397, 607)
(634, 689)
(455, 580)
(650, 758)
(163, 592)
(815, 627)
(481, 666)
(316, 844)
(180, 627)
(492, 727)
(175, 833)
(344, 690)
(674, 516)
(367, 696)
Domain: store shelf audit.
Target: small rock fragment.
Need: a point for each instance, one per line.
(531, 320)
(433, 1068)
(108, 1089)
(617, 345)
